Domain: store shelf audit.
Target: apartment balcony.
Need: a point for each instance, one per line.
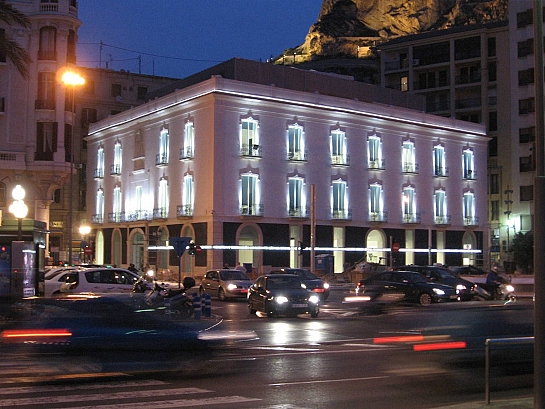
(138, 215)
(376, 164)
(396, 65)
(252, 210)
(251, 151)
(97, 219)
(44, 104)
(161, 159)
(442, 220)
(187, 153)
(471, 221)
(115, 170)
(184, 210)
(468, 103)
(470, 174)
(99, 174)
(440, 171)
(340, 160)
(299, 212)
(341, 214)
(472, 78)
(409, 168)
(411, 218)
(160, 213)
(378, 217)
(117, 217)
(298, 156)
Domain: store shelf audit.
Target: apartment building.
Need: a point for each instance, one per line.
(247, 158)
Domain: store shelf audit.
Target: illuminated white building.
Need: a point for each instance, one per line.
(229, 156)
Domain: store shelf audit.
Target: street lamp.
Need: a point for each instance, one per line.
(18, 208)
(84, 231)
(71, 80)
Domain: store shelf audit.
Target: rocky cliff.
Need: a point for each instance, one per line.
(351, 27)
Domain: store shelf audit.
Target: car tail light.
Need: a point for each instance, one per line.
(48, 335)
(318, 290)
(440, 346)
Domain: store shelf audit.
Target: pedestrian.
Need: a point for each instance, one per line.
(132, 268)
(226, 266)
(240, 267)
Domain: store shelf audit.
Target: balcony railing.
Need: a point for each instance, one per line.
(341, 214)
(118, 217)
(184, 210)
(409, 167)
(253, 151)
(186, 153)
(160, 213)
(161, 159)
(115, 170)
(343, 160)
(252, 210)
(379, 164)
(299, 212)
(99, 173)
(470, 174)
(378, 217)
(440, 171)
(97, 219)
(471, 221)
(298, 156)
(138, 215)
(411, 218)
(442, 220)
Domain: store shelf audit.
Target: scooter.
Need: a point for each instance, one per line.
(168, 300)
(503, 292)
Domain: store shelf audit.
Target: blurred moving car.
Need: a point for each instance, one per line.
(468, 270)
(313, 283)
(465, 289)
(405, 286)
(100, 281)
(282, 294)
(225, 284)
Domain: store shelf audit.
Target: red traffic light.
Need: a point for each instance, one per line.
(198, 249)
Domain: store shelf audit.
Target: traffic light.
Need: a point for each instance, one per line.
(192, 250)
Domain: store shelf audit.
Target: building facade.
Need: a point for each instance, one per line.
(248, 154)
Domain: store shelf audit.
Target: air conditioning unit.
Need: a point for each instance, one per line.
(416, 62)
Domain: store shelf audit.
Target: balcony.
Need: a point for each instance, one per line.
(378, 217)
(409, 167)
(298, 156)
(184, 210)
(160, 213)
(252, 210)
(115, 170)
(99, 174)
(468, 78)
(97, 219)
(299, 212)
(340, 160)
(411, 218)
(468, 103)
(138, 215)
(470, 174)
(377, 164)
(341, 214)
(118, 217)
(471, 221)
(161, 159)
(442, 220)
(251, 151)
(186, 153)
(440, 171)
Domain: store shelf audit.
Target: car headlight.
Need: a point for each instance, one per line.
(231, 287)
(438, 291)
(314, 299)
(461, 287)
(281, 299)
(326, 286)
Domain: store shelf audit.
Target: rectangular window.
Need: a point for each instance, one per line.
(295, 205)
(527, 135)
(339, 200)
(469, 209)
(526, 164)
(526, 106)
(118, 155)
(46, 90)
(99, 171)
(115, 90)
(468, 164)
(99, 206)
(295, 143)
(141, 92)
(494, 210)
(408, 157)
(162, 157)
(492, 46)
(409, 206)
(526, 193)
(249, 138)
(404, 83)
(249, 195)
(493, 121)
(187, 196)
(46, 141)
(494, 188)
(492, 71)
(525, 18)
(88, 116)
(139, 198)
(525, 48)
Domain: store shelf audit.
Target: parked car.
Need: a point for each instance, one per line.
(52, 286)
(468, 270)
(313, 283)
(225, 284)
(465, 289)
(405, 286)
(282, 294)
(100, 281)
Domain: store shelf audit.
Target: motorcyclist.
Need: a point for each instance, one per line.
(494, 279)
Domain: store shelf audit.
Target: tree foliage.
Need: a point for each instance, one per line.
(523, 251)
(8, 46)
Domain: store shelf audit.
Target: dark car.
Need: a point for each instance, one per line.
(313, 283)
(465, 289)
(282, 294)
(405, 286)
(468, 271)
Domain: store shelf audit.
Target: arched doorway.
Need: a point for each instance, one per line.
(137, 249)
(99, 248)
(248, 236)
(376, 240)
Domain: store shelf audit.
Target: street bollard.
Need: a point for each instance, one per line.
(197, 306)
(207, 305)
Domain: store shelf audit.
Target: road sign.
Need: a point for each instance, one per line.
(179, 244)
(88, 250)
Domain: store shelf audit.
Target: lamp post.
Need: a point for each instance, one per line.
(18, 208)
(71, 80)
(84, 231)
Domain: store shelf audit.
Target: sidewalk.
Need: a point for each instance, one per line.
(518, 403)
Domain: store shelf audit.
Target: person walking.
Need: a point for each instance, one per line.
(240, 267)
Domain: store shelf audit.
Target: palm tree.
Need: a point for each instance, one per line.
(9, 47)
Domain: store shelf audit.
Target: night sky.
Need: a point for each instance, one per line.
(176, 38)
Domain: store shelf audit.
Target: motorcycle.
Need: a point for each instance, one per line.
(163, 298)
(503, 292)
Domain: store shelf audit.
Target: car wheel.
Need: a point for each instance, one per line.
(424, 299)
(221, 294)
(315, 313)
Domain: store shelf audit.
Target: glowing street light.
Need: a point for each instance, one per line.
(18, 208)
(84, 231)
(71, 80)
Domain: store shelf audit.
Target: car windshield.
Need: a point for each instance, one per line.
(233, 275)
(283, 282)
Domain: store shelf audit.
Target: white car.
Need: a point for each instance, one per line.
(100, 281)
(53, 279)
